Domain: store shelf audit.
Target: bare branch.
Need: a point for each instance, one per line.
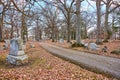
(19, 9)
(90, 4)
(114, 8)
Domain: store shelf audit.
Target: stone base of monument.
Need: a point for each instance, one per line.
(19, 59)
(22, 47)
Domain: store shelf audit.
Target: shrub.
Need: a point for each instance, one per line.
(99, 42)
(116, 52)
(2, 41)
(77, 45)
(106, 40)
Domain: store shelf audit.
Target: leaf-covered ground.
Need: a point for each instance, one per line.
(44, 66)
(111, 45)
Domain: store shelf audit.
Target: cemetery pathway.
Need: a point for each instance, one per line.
(96, 63)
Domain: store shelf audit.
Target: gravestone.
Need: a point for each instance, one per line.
(105, 49)
(61, 40)
(7, 42)
(93, 46)
(86, 45)
(16, 55)
(82, 42)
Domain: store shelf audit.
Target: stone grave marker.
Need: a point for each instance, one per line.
(93, 46)
(86, 45)
(16, 55)
(7, 42)
(61, 40)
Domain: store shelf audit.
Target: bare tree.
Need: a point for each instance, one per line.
(78, 22)
(3, 7)
(98, 5)
(26, 13)
(87, 22)
(38, 27)
(108, 4)
(50, 16)
(67, 10)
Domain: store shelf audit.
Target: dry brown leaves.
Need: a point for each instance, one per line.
(112, 45)
(44, 66)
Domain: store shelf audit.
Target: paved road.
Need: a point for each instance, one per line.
(98, 63)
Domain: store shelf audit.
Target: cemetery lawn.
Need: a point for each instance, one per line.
(112, 45)
(44, 66)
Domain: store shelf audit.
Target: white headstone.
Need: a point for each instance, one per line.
(7, 42)
(17, 54)
(61, 40)
(93, 46)
(14, 47)
(86, 45)
(82, 42)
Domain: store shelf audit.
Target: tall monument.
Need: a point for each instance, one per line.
(17, 54)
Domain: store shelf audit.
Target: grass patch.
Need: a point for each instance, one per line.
(37, 62)
(2, 61)
(49, 66)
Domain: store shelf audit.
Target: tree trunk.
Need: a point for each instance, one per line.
(11, 35)
(18, 32)
(53, 34)
(0, 29)
(40, 34)
(0, 34)
(98, 2)
(85, 35)
(107, 29)
(78, 22)
(68, 28)
(23, 29)
(27, 33)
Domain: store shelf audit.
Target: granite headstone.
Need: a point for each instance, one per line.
(93, 46)
(16, 55)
